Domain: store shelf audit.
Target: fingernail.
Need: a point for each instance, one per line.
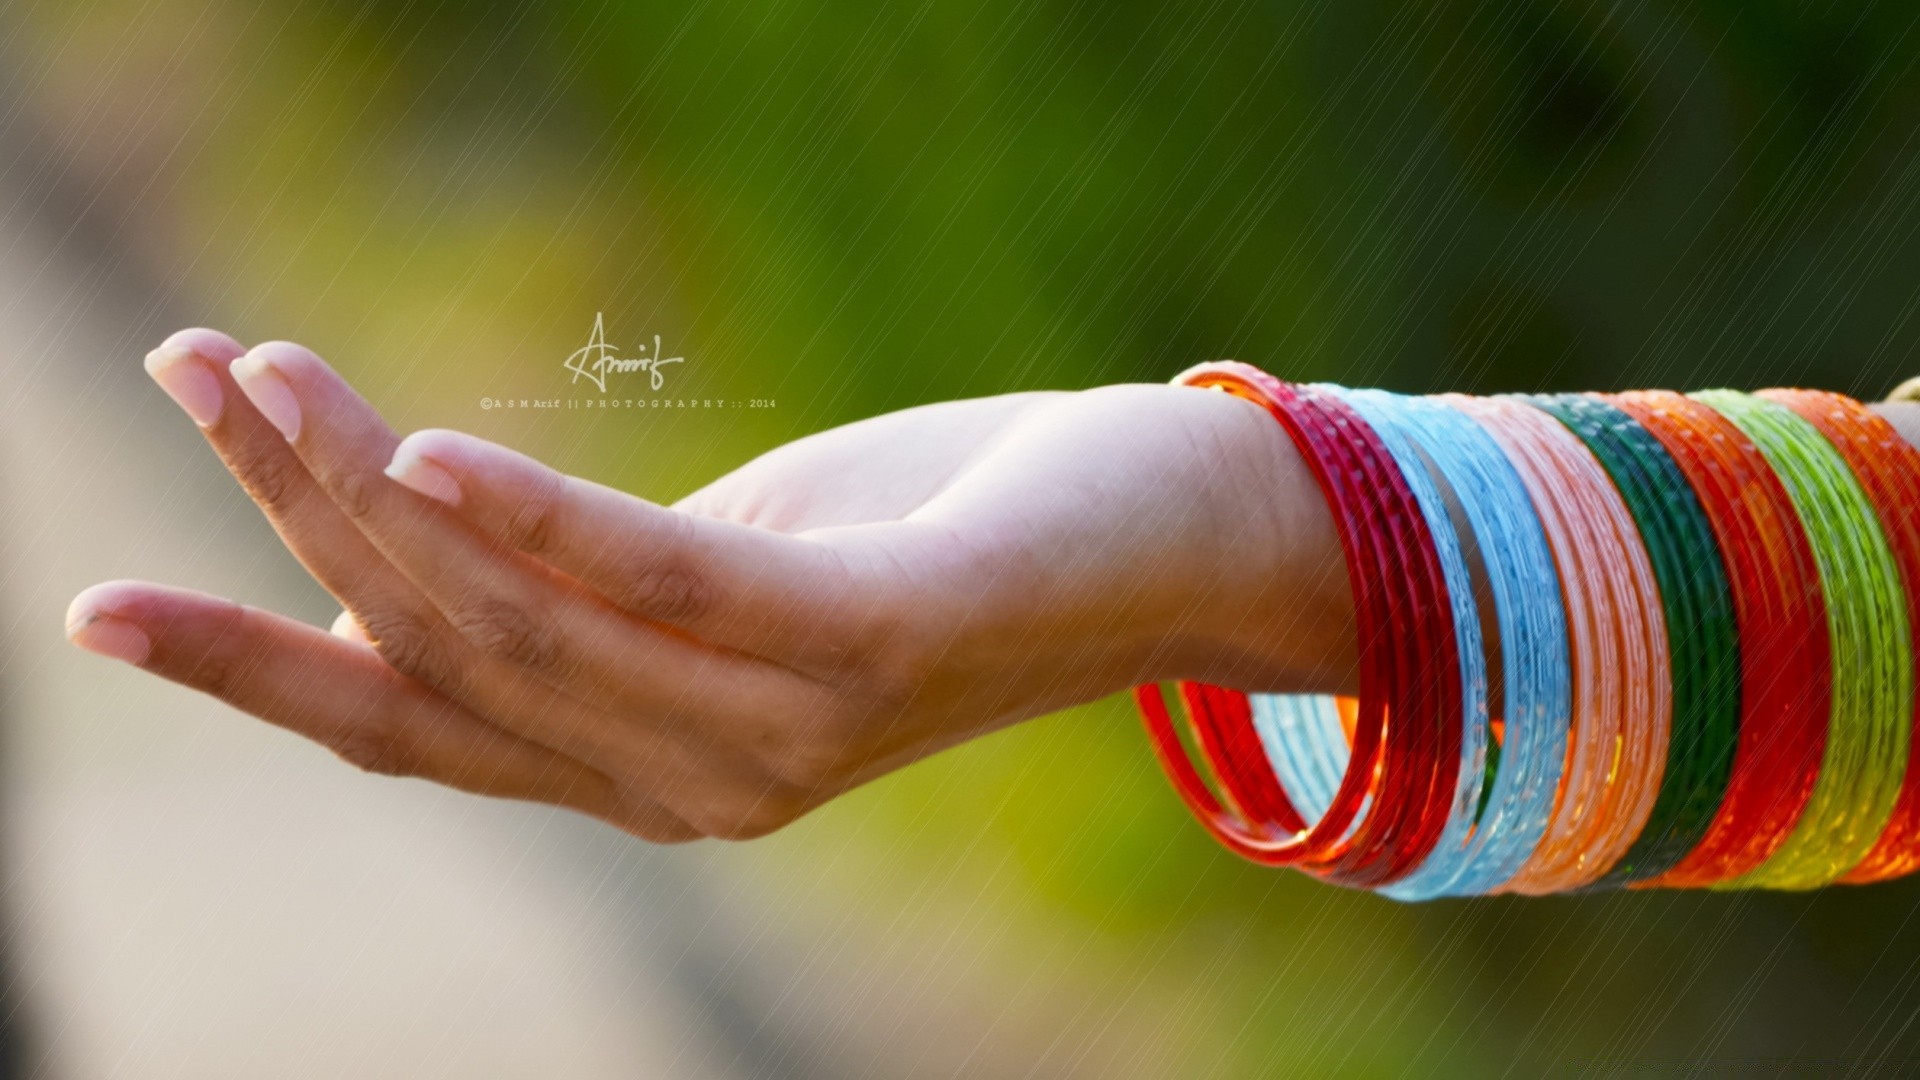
(110, 637)
(348, 627)
(188, 381)
(424, 476)
(269, 392)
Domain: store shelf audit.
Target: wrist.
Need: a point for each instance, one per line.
(1276, 603)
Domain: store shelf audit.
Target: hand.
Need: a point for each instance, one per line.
(831, 611)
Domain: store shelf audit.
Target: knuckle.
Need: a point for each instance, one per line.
(897, 676)
(750, 817)
(222, 665)
(812, 765)
(506, 632)
(766, 815)
(376, 747)
(407, 645)
(532, 527)
(667, 592)
(219, 673)
(665, 584)
(354, 492)
(655, 825)
(810, 757)
(270, 475)
(635, 811)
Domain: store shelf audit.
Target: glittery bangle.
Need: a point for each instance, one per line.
(1888, 469)
(1622, 696)
(1703, 644)
(1785, 666)
(1392, 802)
(1867, 736)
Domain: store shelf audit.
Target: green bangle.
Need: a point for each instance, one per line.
(1867, 736)
(1702, 636)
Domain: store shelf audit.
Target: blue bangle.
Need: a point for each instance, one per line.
(1536, 656)
(1526, 764)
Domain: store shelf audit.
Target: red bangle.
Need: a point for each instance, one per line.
(1785, 664)
(1394, 798)
(1888, 469)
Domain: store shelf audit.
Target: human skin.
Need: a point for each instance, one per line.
(833, 610)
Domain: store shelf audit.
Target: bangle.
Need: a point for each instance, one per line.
(1510, 763)
(1867, 736)
(1402, 777)
(1703, 648)
(1643, 639)
(1785, 666)
(1887, 467)
(1317, 735)
(1622, 698)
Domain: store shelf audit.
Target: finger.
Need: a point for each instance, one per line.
(510, 607)
(390, 611)
(768, 593)
(327, 690)
(192, 366)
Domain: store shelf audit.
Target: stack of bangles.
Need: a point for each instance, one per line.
(1644, 640)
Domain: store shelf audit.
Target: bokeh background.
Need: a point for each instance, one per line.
(843, 208)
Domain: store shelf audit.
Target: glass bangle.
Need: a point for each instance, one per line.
(1888, 469)
(1510, 767)
(1864, 760)
(1701, 636)
(1644, 639)
(1392, 801)
(1622, 697)
(1785, 663)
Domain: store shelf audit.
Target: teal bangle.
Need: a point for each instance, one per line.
(1702, 635)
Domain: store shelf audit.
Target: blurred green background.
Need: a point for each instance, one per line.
(852, 207)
